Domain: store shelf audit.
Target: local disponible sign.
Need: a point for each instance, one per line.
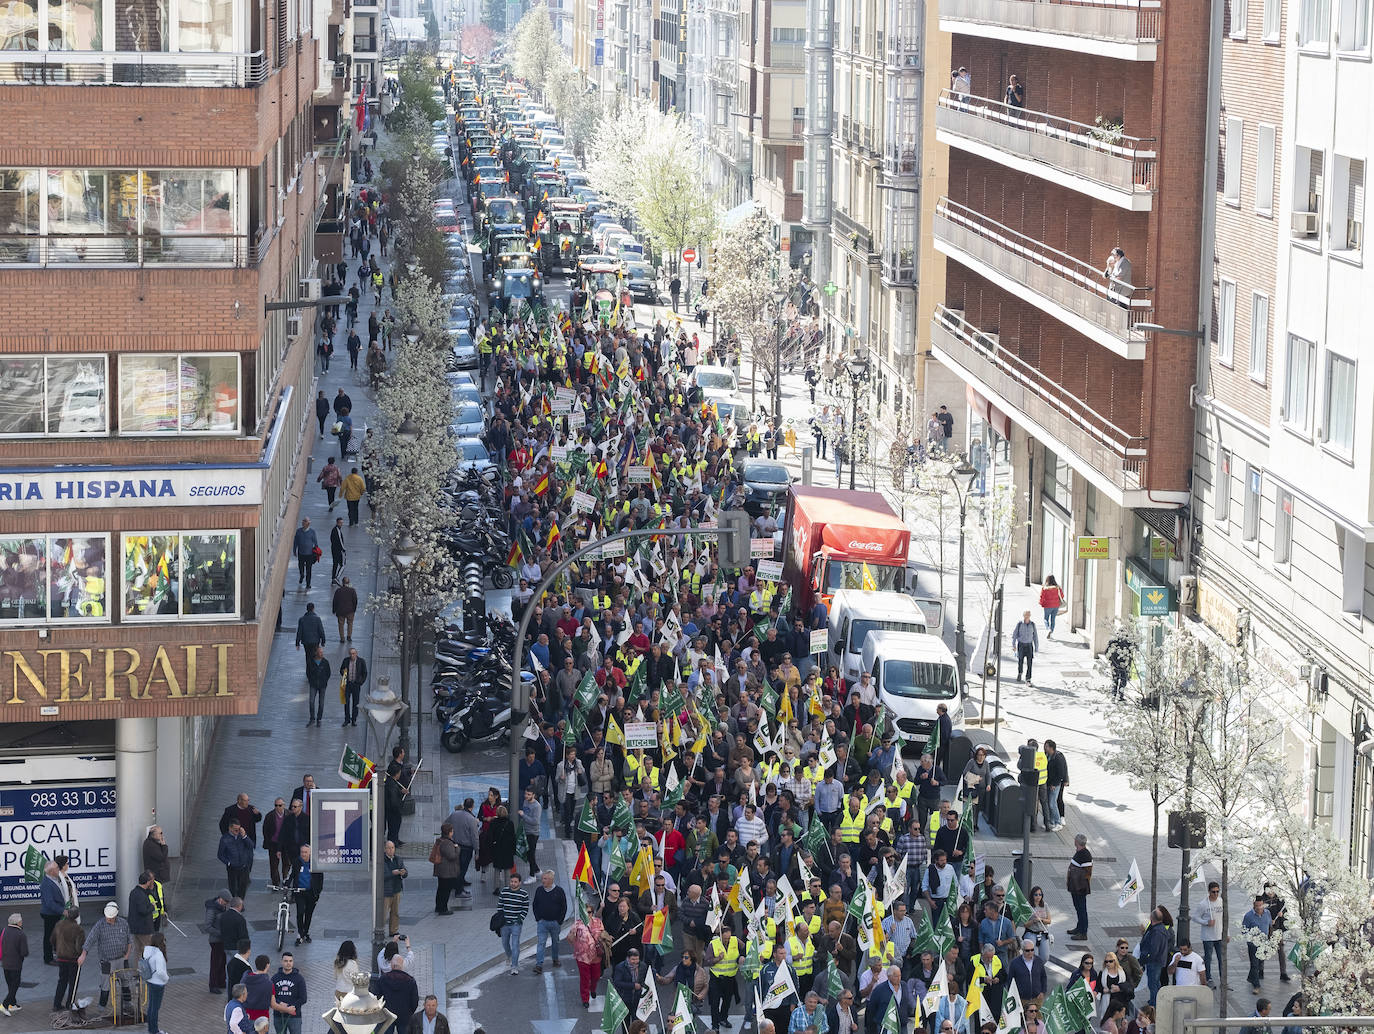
(76, 819)
(340, 821)
(86, 487)
(114, 675)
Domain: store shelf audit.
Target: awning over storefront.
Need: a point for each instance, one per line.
(987, 412)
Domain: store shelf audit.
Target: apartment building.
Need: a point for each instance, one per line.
(863, 148)
(159, 181)
(1282, 460)
(1078, 375)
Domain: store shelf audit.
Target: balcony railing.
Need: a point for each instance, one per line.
(904, 52)
(1117, 21)
(1124, 163)
(1060, 412)
(118, 68)
(72, 250)
(1066, 282)
(364, 44)
(858, 236)
(899, 265)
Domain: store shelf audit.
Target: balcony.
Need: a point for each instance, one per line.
(364, 45)
(853, 233)
(725, 69)
(1106, 454)
(117, 68)
(1103, 164)
(1067, 288)
(1128, 30)
(72, 251)
(899, 267)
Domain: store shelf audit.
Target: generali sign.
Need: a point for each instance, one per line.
(177, 679)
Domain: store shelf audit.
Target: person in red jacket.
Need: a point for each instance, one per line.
(1051, 599)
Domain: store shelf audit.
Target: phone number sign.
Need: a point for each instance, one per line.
(75, 819)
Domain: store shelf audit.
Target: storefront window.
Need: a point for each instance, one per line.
(53, 578)
(180, 575)
(59, 395)
(193, 394)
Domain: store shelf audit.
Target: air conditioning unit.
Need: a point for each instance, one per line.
(1305, 224)
(293, 326)
(340, 70)
(310, 289)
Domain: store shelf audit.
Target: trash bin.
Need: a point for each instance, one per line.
(960, 750)
(1009, 815)
(996, 768)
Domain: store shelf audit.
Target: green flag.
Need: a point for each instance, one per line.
(615, 1012)
(1056, 1014)
(891, 1023)
(832, 981)
(1079, 1002)
(761, 630)
(933, 741)
(583, 912)
(577, 725)
(665, 946)
(1021, 911)
(879, 723)
(856, 903)
(33, 865)
(673, 702)
(587, 823)
(585, 694)
(617, 860)
(925, 939)
(769, 700)
(814, 837)
(750, 965)
(622, 818)
(522, 844)
(944, 925)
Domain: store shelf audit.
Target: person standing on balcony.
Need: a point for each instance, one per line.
(1016, 93)
(1119, 278)
(961, 82)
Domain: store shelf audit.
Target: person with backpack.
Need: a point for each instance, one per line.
(152, 967)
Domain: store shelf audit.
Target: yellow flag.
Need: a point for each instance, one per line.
(613, 733)
(676, 735)
(642, 873)
(868, 582)
(785, 707)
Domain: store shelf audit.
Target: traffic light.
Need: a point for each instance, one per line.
(732, 538)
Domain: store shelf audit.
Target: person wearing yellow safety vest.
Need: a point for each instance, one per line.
(1042, 764)
(987, 970)
(801, 952)
(722, 958)
(852, 816)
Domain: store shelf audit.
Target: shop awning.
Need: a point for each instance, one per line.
(987, 412)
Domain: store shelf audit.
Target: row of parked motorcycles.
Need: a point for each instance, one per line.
(472, 659)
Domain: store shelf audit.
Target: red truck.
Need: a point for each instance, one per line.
(830, 535)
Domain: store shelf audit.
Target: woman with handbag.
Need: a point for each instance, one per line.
(1051, 599)
(444, 857)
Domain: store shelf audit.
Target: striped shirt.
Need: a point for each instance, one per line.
(514, 905)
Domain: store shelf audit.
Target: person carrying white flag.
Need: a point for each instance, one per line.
(1013, 1017)
(935, 990)
(781, 988)
(648, 1000)
(1131, 889)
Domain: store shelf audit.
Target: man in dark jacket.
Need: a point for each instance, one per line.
(400, 991)
(271, 838)
(67, 941)
(338, 554)
(309, 632)
(142, 911)
(303, 546)
(14, 949)
(1029, 973)
(215, 908)
(317, 673)
(1154, 951)
(236, 854)
(233, 928)
(550, 909)
(354, 671)
(321, 411)
(247, 816)
(52, 903)
(629, 979)
(429, 1012)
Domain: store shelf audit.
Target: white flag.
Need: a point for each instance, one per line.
(804, 872)
(780, 989)
(826, 755)
(1199, 877)
(716, 915)
(936, 989)
(681, 1020)
(894, 886)
(1012, 1016)
(786, 894)
(1130, 890)
(648, 1001)
(762, 740)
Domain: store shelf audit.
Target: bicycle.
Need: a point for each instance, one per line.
(288, 894)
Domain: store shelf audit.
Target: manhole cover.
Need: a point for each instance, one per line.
(255, 732)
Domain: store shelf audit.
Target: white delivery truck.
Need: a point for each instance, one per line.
(856, 613)
(914, 673)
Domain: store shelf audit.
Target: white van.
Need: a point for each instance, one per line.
(855, 613)
(914, 673)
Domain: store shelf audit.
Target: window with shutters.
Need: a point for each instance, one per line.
(1347, 207)
(1352, 27)
(1309, 167)
(1264, 169)
(282, 30)
(1235, 145)
(1259, 336)
(1226, 322)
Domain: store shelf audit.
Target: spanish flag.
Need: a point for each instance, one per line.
(542, 485)
(513, 557)
(582, 871)
(553, 535)
(654, 926)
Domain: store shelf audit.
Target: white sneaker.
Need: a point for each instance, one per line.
(515, 971)
(529, 879)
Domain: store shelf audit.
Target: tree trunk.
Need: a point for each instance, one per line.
(1154, 844)
(1223, 977)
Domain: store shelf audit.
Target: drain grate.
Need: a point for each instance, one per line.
(182, 971)
(260, 733)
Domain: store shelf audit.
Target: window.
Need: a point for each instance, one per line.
(1297, 392)
(1221, 502)
(1338, 403)
(1226, 323)
(1308, 170)
(53, 395)
(1314, 23)
(179, 394)
(1239, 13)
(1235, 146)
(1259, 336)
(789, 36)
(1283, 526)
(1273, 17)
(1058, 480)
(53, 578)
(1352, 548)
(1352, 26)
(1347, 206)
(186, 575)
(1264, 170)
(1250, 518)
(799, 177)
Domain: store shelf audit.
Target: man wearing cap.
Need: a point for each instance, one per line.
(110, 942)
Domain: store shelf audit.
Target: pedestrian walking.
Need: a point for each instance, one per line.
(1051, 599)
(309, 885)
(1056, 778)
(330, 477)
(288, 996)
(321, 411)
(14, 949)
(586, 936)
(395, 791)
(67, 941)
(1154, 951)
(52, 904)
(309, 632)
(1078, 882)
(345, 607)
(1278, 913)
(306, 547)
(110, 942)
(531, 816)
(399, 989)
(343, 430)
(1025, 641)
(152, 968)
(142, 910)
(355, 346)
(215, 908)
(1256, 925)
(550, 907)
(317, 673)
(236, 854)
(514, 904)
(445, 856)
(467, 830)
(353, 672)
(353, 488)
(338, 551)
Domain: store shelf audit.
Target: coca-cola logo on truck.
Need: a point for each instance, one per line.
(872, 547)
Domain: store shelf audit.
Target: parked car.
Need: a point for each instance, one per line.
(472, 455)
(463, 347)
(468, 421)
(766, 483)
(639, 280)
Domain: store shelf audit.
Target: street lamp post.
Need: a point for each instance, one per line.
(778, 298)
(403, 555)
(962, 476)
(857, 365)
(383, 708)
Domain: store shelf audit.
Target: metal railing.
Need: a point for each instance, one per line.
(364, 44)
(1125, 21)
(126, 250)
(1117, 160)
(135, 68)
(1060, 278)
(859, 236)
(1108, 447)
